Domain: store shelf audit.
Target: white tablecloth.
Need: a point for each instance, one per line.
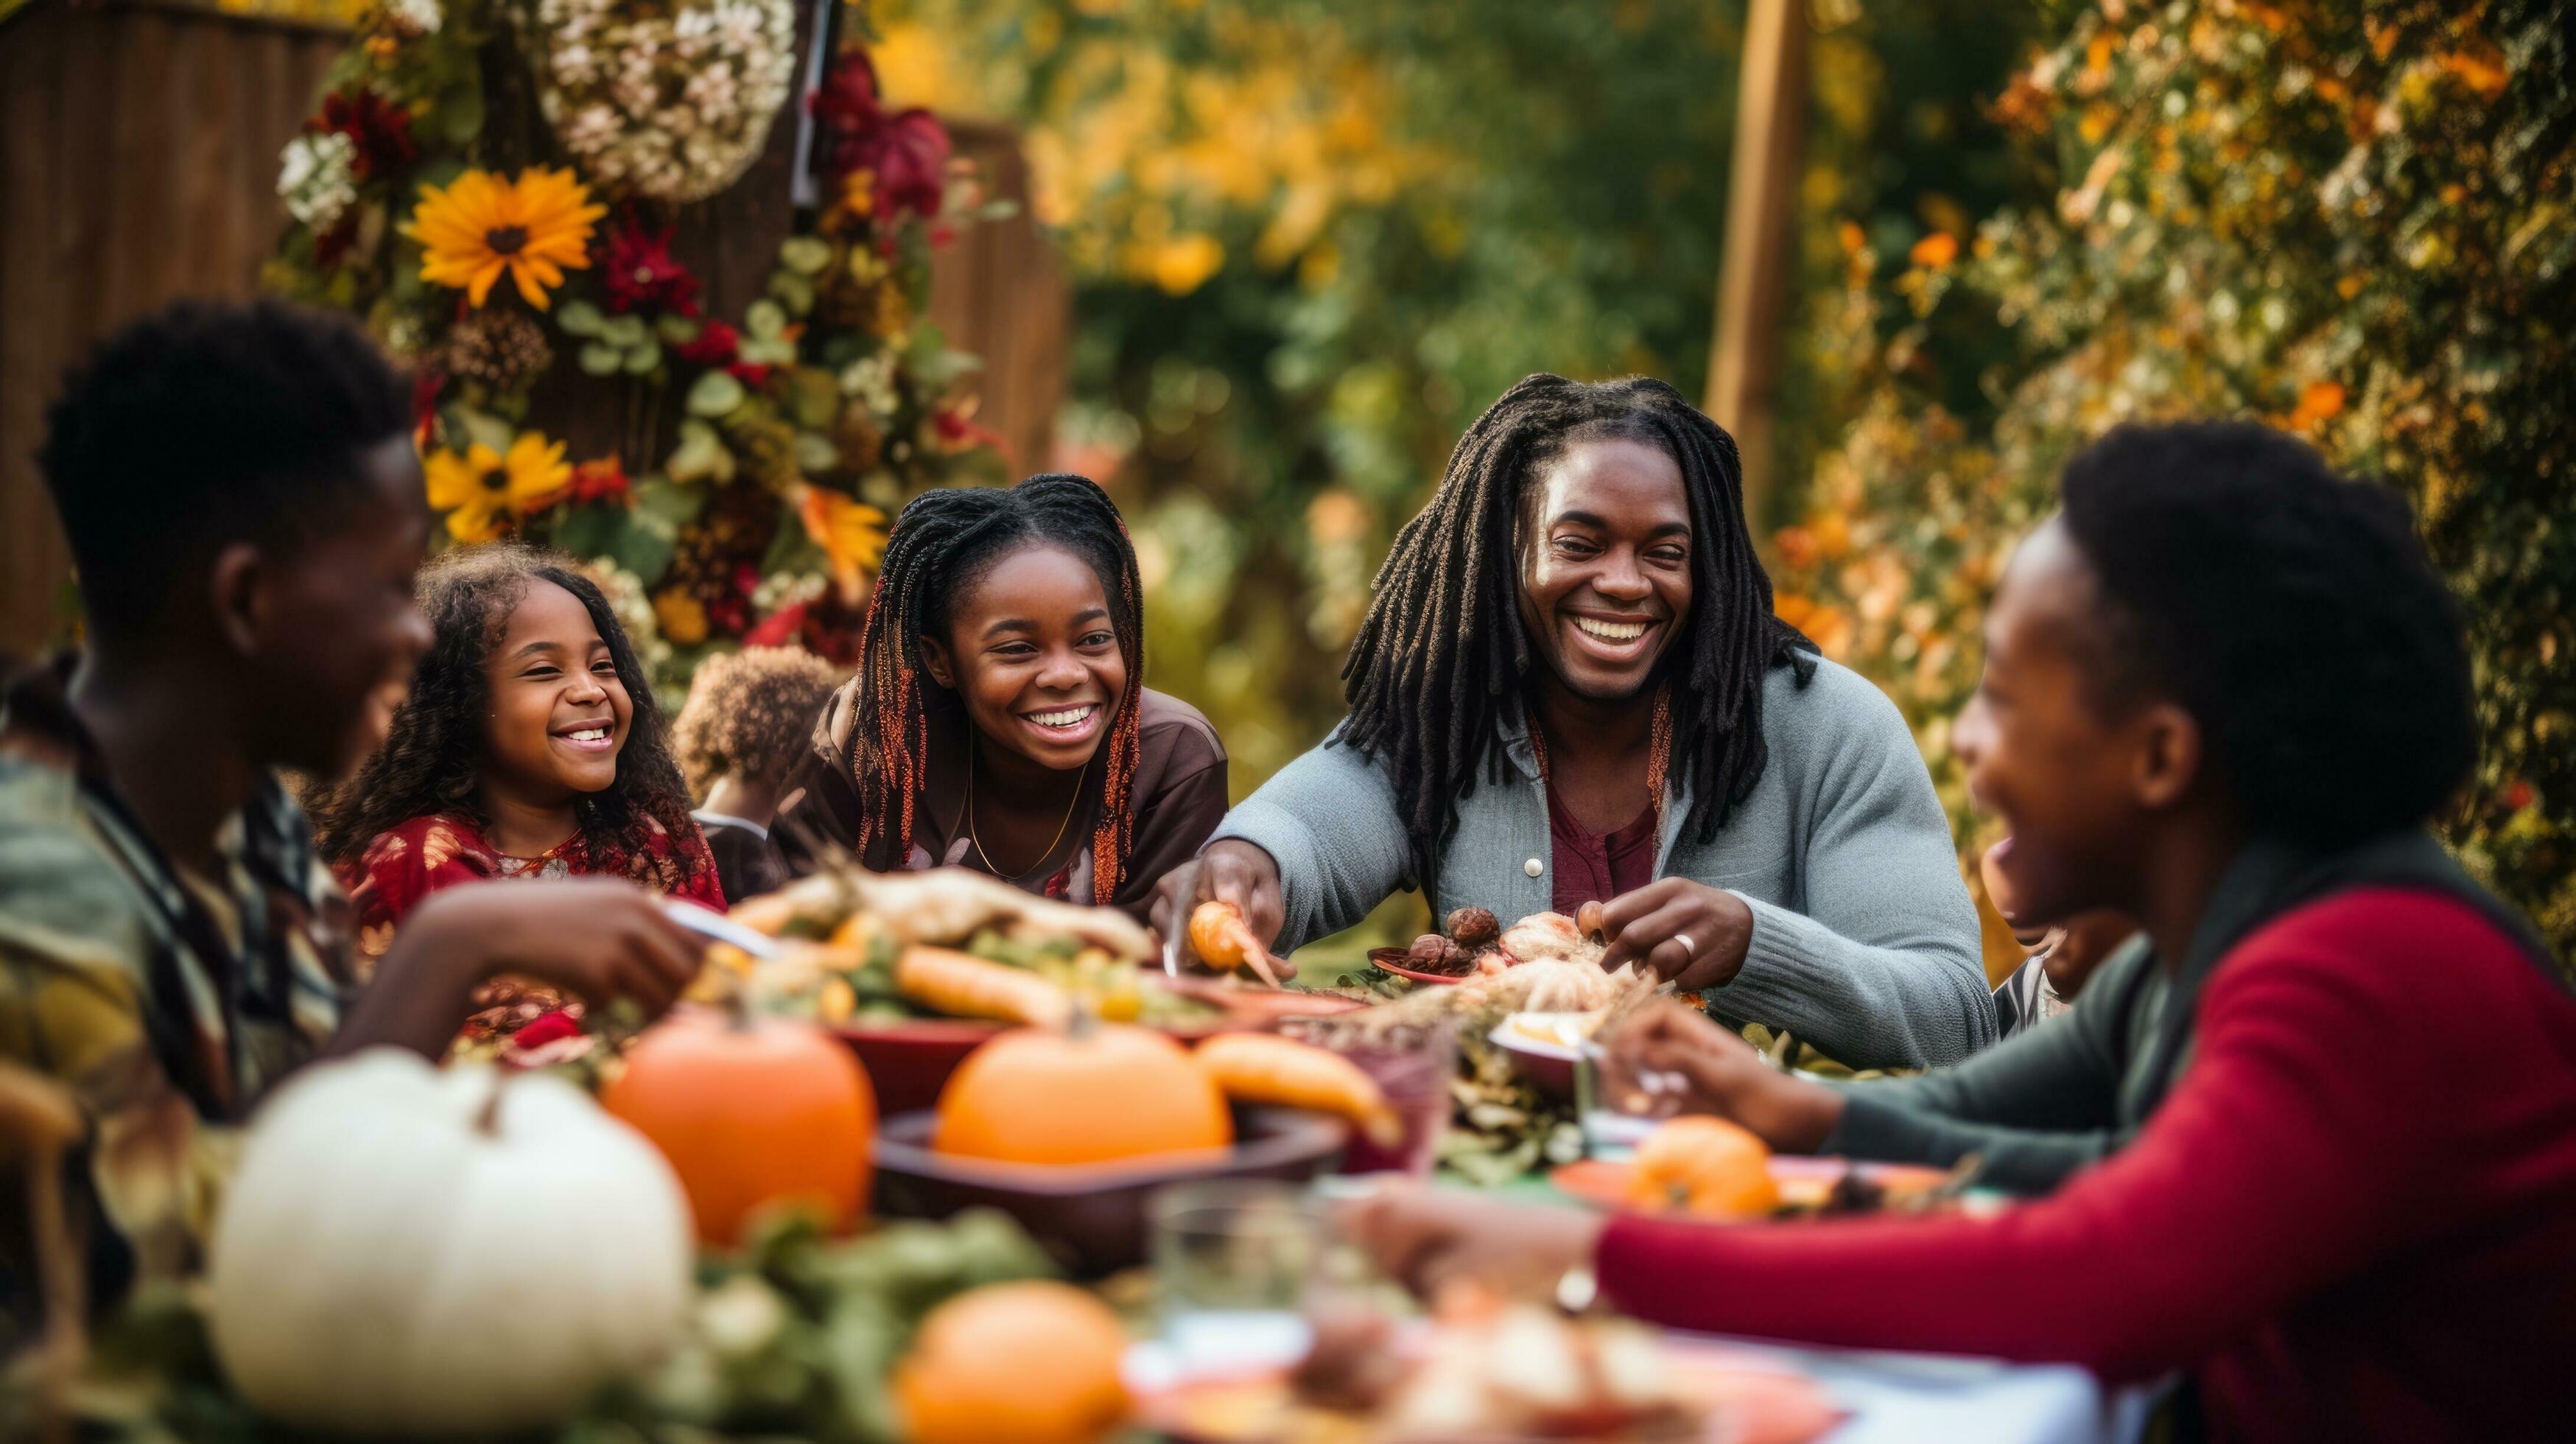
(1913, 1398)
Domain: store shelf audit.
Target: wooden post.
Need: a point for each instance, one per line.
(1758, 272)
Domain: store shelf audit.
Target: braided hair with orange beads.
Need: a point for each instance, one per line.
(943, 543)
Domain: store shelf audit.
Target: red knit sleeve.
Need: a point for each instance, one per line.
(2296, 1149)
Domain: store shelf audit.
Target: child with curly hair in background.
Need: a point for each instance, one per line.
(530, 746)
(749, 720)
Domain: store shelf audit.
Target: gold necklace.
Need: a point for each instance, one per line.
(991, 866)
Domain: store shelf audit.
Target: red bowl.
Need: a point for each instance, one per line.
(1392, 960)
(908, 1063)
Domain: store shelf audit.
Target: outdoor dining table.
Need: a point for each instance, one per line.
(1896, 1398)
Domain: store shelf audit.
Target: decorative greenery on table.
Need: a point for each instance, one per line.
(494, 186)
(795, 1338)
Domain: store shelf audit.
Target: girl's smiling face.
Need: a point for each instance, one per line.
(1030, 650)
(559, 711)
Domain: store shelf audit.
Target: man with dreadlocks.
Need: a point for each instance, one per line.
(998, 719)
(1570, 687)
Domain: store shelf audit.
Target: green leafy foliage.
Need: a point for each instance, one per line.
(793, 1338)
(2352, 220)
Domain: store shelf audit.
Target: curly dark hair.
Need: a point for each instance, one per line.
(434, 752)
(205, 424)
(943, 543)
(1441, 656)
(2292, 612)
(751, 714)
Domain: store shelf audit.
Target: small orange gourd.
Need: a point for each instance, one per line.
(1095, 1093)
(1704, 1166)
(1034, 1362)
(752, 1112)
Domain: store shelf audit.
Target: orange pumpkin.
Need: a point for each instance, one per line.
(750, 1113)
(1093, 1094)
(1705, 1166)
(1022, 1363)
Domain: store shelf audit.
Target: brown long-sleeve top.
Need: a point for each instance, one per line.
(1178, 796)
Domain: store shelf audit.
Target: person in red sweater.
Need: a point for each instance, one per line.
(2223, 691)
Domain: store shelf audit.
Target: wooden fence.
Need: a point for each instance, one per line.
(138, 164)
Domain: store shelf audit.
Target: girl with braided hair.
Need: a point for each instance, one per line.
(997, 720)
(1571, 687)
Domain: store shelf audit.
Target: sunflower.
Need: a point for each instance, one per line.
(851, 533)
(477, 488)
(535, 227)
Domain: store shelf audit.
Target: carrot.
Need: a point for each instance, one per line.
(1221, 938)
(1266, 1068)
(965, 986)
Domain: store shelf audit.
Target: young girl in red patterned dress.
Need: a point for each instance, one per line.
(530, 746)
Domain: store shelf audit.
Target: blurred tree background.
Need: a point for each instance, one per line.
(1313, 238)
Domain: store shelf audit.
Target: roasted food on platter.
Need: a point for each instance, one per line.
(1266, 1068)
(1493, 1372)
(864, 948)
(945, 905)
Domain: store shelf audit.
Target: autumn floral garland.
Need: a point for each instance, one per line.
(495, 185)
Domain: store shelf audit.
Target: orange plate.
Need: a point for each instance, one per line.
(1750, 1399)
(1604, 1184)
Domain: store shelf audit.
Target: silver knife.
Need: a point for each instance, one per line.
(706, 922)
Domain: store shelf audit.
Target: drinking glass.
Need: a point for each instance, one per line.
(1232, 1258)
(1412, 1067)
(1618, 1102)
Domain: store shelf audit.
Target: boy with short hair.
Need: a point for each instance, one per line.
(245, 511)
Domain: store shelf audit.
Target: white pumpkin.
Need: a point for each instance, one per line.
(401, 1251)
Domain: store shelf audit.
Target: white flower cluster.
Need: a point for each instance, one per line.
(870, 379)
(633, 607)
(779, 590)
(672, 102)
(317, 178)
(414, 17)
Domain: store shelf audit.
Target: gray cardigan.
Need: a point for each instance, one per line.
(1864, 941)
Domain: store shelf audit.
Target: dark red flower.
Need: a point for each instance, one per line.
(425, 386)
(2519, 795)
(831, 627)
(641, 274)
(905, 151)
(778, 628)
(729, 614)
(717, 344)
(754, 374)
(546, 1028)
(604, 480)
(334, 243)
(380, 131)
(958, 431)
